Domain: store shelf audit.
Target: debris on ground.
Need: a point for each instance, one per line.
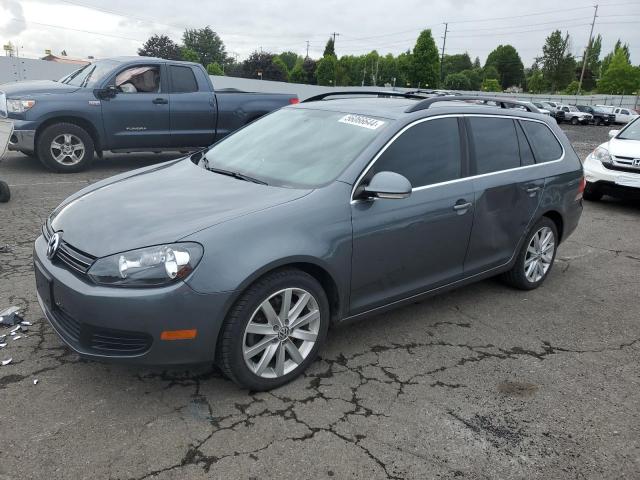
(7, 361)
(17, 337)
(10, 317)
(2, 345)
(35, 381)
(5, 249)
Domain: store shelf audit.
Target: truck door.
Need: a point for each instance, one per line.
(193, 107)
(137, 117)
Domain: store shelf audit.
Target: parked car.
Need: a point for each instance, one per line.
(600, 117)
(554, 110)
(614, 167)
(543, 108)
(318, 213)
(625, 115)
(125, 104)
(575, 116)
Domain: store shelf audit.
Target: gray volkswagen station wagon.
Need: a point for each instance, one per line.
(340, 207)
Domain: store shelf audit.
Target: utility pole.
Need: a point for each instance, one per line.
(307, 49)
(444, 43)
(586, 52)
(335, 72)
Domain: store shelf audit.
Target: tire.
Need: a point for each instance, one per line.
(591, 193)
(269, 366)
(598, 122)
(574, 121)
(5, 192)
(78, 144)
(517, 277)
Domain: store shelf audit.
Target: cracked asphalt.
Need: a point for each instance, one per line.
(482, 382)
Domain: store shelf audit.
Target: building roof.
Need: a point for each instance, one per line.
(64, 59)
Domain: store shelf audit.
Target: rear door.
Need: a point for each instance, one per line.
(403, 247)
(507, 187)
(138, 116)
(193, 107)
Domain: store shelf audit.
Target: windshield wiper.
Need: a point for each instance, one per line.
(238, 175)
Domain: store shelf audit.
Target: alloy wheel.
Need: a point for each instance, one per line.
(67, 149)
(539, 255)
(281, 333)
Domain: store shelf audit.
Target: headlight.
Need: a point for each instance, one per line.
(147, 267)
(19, 106)
(602, 155)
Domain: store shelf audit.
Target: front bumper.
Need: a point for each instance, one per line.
(611, 182)
(23, 140)
(125, 324)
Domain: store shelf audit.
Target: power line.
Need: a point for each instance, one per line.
(75, 29)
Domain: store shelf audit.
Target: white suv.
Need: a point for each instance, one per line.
(614, 167)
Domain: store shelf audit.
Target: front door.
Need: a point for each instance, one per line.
(137, 117)
(406, 246)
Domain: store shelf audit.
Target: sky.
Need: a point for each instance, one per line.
(90, 27)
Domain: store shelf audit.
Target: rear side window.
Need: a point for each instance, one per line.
(182, 79)
(544, 143)
(526, 155)
(426, 153)
(495, 144)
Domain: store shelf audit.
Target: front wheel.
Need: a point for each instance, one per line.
(536, 256)
(274, 331)
(574, 121)
(65, 148)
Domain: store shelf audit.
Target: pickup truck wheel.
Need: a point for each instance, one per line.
(5, 192)
(65, 148)
(574, 121)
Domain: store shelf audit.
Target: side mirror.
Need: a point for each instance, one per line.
(106, 93)
(387, 185)
(613, 133)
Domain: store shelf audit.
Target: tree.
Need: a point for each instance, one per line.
(214, 69)
(457, 81)
(189, 55)
(207, 45)
(536, 82)
(290, 59)
(476, 63)
(491, 85)
(558, 65)
(456, 63)
(262, 65)
(572, 88)
(279, 64)
(326, 71)
(507, 62)
(426, 61)
(490, 72)
(621, 77)
(475, 78)
(160, 46)
(330, 48)
(592, 68)
(607, 59)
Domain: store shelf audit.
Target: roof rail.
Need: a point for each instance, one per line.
(502, 102)
(377, 93)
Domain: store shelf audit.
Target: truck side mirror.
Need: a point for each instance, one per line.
(105, 93)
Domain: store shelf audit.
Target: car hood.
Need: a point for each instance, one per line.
(35, 87)
(624, 148)
(159, 205)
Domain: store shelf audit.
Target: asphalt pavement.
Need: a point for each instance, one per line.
(482, 382)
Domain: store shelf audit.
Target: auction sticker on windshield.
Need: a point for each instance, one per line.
(360, 121)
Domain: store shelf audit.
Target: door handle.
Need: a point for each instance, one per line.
(533, 190)
(160, 101)
(458, 207)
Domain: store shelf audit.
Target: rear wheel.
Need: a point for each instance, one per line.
(536, 256)
(574, 121)
(65, 148)
(591, 192)
(5, 192)
(274, 331)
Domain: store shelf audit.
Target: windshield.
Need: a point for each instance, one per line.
(631, 132)
(295, 147)
(89, 75)
(573, 109)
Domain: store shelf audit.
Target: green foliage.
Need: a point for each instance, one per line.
(456, 63)
(330, 48)
(507, 62)
(160, 46)
(457, 81)
(426, 62)
(606, 61)
(558, 65)
(214, 69)
(263, 63)
(476, 63)
(572, 88)
(490, 72)
(592, 68)
(326, 71)
(207, 45)
(536, 82)
(290, 59)
(189, 55)
(279, 64)
(491, 85)
(621, 77)
(475, 78)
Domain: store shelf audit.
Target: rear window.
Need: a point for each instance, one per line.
(544, 143)
(495, 144)
(182, 79)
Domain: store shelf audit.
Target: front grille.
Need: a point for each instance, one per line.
(98, 340)
(75, 259)
(623, 164)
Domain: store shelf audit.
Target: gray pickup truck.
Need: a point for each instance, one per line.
(125, 104)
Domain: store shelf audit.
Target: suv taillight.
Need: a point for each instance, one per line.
(294, 100)
(581, 187)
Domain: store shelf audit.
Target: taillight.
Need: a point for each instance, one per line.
(294, 100)
(581, 187)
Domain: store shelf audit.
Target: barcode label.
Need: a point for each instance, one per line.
(360, 121)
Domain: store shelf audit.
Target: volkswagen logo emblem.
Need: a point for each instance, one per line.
(54, 243)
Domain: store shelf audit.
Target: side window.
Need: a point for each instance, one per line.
(495, 143)
(182, 79)
(426, 153)
(625, 112)
(565, 109)
(143, 79)
(526, 155)
(545, 144)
